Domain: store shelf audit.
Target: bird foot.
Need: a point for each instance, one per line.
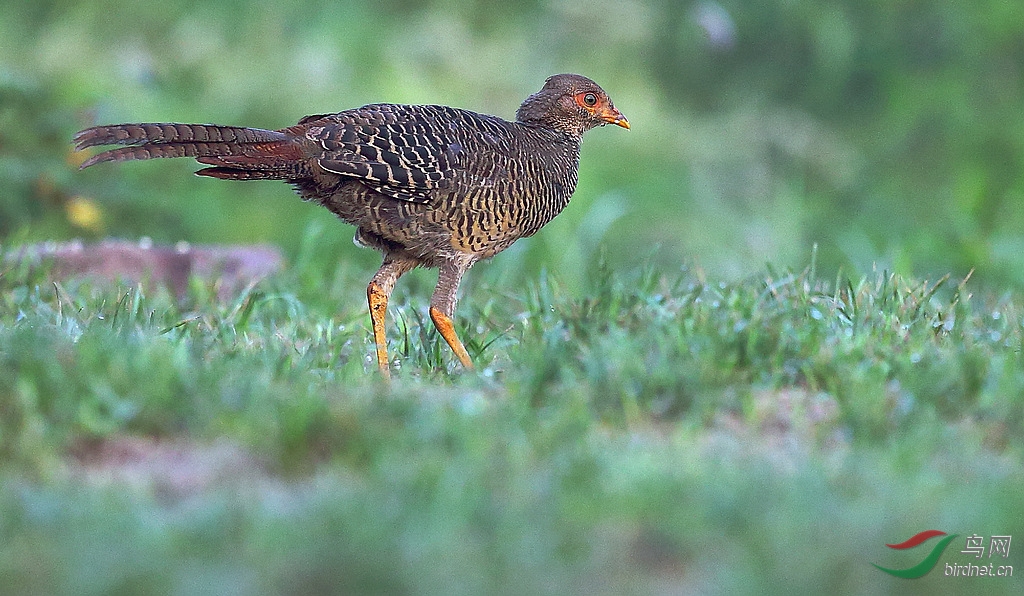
(444, 325)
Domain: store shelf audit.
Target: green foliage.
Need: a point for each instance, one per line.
(884, 133)
(898, 121)
(654, 431)
(635, 426)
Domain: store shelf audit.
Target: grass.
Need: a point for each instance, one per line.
(654, 433)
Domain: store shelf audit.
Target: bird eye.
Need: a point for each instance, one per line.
(587, 100)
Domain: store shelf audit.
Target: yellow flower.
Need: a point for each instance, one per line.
(84, 213)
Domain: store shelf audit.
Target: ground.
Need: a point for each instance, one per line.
(652, 434)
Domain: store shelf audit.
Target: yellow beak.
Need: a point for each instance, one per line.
(615, 117)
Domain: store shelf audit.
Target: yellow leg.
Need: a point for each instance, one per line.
(444, 325)
(378, 300)
(377, 294)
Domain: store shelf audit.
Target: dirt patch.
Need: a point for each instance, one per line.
(169, 469)
(113, 261)
(785, 426)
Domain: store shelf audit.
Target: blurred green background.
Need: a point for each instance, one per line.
(887, 132)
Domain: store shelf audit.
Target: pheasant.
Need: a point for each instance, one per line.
(426, 185)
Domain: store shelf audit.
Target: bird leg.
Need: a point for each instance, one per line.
(377, 294)
(442, 306)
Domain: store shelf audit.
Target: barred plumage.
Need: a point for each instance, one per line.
(426, 185)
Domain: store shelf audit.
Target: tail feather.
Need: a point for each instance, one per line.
(157, 150)
(264, 149)
(242, 174)
(148, 133)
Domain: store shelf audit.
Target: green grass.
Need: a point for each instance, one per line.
(654, 433)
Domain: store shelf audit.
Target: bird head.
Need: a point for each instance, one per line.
(572, 104)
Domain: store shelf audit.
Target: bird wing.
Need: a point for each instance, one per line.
(404, 152)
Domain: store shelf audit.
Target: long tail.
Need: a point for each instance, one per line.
(238, 153)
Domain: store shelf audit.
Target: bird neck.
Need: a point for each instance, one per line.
(539, 110)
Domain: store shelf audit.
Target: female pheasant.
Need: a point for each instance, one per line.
(426, 185)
